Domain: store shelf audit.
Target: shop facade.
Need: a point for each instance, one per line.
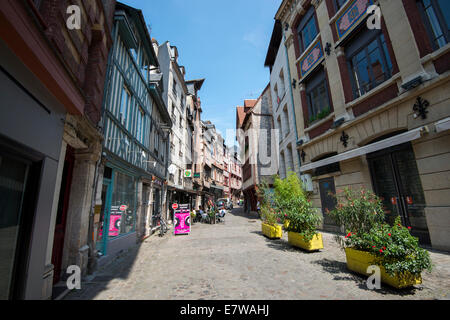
(135, 147)
(374, 107)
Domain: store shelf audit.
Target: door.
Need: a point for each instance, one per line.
(103, 224)
(145, 207)
(19, 180)
(326, 186)
(396, 180)
(61, 217)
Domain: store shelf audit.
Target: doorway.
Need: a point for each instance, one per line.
(61, 217)
(396, 180)
(327, 186)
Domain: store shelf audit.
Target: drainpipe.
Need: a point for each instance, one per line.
(292, 97)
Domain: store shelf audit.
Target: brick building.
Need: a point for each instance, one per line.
(372, 105)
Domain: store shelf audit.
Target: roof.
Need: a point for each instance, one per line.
(275, 41)
(142, 29)
(250, 103)
(240, 115)
(198, 83)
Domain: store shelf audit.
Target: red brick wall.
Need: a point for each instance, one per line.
(376, 100)
(89, 73)
(442, 64)
(324, 127)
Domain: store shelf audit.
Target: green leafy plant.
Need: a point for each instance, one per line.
(361, 214)
(291, 202)
(356, 211)
(394, 248)
(322, 114)
(269, 217)
(301, 217)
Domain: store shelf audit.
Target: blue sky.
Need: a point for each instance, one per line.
(224, 42)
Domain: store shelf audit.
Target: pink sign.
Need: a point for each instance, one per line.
(114, 225)
(182, 218)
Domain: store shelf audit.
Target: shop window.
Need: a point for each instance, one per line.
(436, 16)
(307, 29)
(318, 98)
(369, 61)
(123, 211)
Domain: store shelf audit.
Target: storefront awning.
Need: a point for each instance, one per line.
(380, 145)
(443, 125)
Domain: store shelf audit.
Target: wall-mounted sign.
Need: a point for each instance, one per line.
(197, 175)
(188, 173)
(351, 16)
(309, 61)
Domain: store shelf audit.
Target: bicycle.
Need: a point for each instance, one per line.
(163, 228)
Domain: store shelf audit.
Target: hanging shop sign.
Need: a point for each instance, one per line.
(182, 216)
(188, 173)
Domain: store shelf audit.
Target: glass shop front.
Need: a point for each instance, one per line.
(118, 214)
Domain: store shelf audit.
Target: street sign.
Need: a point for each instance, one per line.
(175, 206)
(123, 207)
(187, 173)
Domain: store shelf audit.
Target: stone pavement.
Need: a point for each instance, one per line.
(235, 261)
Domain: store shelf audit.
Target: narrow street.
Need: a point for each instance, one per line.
(235, 261)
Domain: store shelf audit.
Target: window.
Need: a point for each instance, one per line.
(307, 29)
(124, 105)
(140, 125)
(339, 3)
(124, 192)
(317, 97)
(286, 120)
(145, 68)
(369, 62)
(282, 87)
(156, 148)
(436, 15)
(174, 88)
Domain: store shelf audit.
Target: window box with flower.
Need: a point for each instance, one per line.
(370, 241)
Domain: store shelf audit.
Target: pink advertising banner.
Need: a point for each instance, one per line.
(182, 217)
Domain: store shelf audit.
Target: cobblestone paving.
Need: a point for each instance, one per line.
(235, 261)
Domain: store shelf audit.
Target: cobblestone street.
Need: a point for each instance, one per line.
(235, 261)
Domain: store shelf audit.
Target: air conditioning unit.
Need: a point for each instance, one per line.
(307, 182)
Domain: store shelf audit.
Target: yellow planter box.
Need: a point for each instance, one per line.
(358, 261)
(297, 240)
(272, 232)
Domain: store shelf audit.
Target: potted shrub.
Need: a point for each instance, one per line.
(270, 227)
(301, 224)
(370, 241)
(284, 191)
(296, 213)
(212, 215)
